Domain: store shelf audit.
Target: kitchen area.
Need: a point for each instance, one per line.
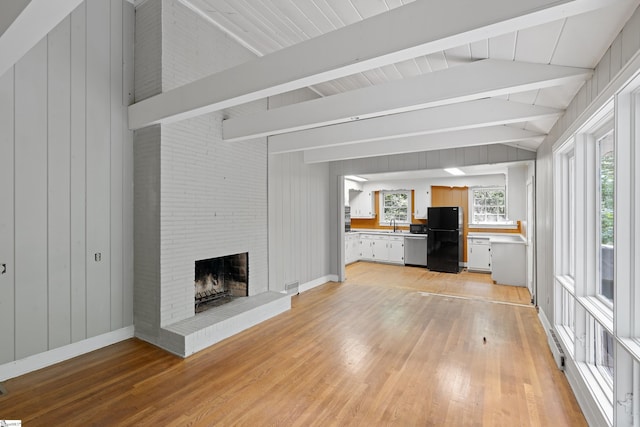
(476, 220)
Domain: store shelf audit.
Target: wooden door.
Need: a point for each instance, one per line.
(454, 196)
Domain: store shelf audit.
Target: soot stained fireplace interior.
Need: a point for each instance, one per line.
(221, 280)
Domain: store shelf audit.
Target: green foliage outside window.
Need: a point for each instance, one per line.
(395, 205)
(607, 188)
(489, 205)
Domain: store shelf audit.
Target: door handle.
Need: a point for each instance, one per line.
(4, 268)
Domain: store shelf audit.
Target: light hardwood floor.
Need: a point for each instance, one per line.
(389, 346)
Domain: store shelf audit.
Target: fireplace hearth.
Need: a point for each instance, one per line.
(221, 280)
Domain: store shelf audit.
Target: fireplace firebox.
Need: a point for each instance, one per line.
(221, 280)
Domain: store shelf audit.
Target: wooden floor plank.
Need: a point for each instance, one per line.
(389, 346)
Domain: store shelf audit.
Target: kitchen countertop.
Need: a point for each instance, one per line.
(381, 232)
(500, 237)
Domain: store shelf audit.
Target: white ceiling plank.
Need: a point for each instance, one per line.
(476, 80)
(437, 61)
(480, 49)
(352, 49)
(503, 46)
(537, 44)
(464, 115)
(585, 48)
(414, 144)
(525, 97)
(345, 10)
(33, 23)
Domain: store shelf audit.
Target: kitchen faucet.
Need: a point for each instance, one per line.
(393, 221)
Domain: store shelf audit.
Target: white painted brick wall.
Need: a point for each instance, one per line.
(214, 193)
(147, 230)
(148, 50)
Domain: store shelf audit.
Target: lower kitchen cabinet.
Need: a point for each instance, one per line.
(382, 248)
(479, 254)
(509, 267)
(396, 249)
(351, 248)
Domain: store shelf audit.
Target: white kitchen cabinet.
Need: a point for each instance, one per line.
(509, 261)
(382, 248)
(362, 204)
(366, 247)
(479, 254)
(351, 248)
(422, 200)
(396, 249)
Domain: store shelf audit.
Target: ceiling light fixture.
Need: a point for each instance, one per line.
(454, 171)
(355, 178)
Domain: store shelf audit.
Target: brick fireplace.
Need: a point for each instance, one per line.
(220, 280)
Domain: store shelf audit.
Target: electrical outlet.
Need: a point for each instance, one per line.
(98, 256)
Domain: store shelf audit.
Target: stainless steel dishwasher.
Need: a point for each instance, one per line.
(415, 250)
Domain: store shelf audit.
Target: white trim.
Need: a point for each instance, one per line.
(60, 354)
(317, 282)
(591, 410)
(579, 383)
(545, 322)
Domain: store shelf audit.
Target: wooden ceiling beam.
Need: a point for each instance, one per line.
(420, 143)
(480, 79)
(403, 33)
(464, 115)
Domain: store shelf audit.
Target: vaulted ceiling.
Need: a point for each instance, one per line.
(391, 76)
(399, 76)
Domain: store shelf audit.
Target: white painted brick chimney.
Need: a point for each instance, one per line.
(212, 194)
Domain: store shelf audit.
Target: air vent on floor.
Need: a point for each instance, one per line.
(556, 349)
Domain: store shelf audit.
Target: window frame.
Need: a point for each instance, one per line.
(471, 216)
(382, 194)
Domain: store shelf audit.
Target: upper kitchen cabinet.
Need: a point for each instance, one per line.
(422, 200)
(351, 188)
(362, 204)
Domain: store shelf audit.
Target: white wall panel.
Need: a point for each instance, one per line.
(7, 282)
(98, 168)
(59, 179)
(66, 176)
(31, 202)
(116, 166)
(298, 220)
(78, 175)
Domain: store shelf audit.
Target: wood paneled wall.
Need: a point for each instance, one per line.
(298, 220)
(66, 173)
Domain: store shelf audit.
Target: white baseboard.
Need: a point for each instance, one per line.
(317, 282)
(51, 357)
(545, 322)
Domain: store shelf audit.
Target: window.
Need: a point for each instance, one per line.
(603, 356)
(395, 205)
(568, 308)
(606, 183)
(488, 205)
(571, 211)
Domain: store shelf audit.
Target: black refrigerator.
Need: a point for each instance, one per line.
(444, 239)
